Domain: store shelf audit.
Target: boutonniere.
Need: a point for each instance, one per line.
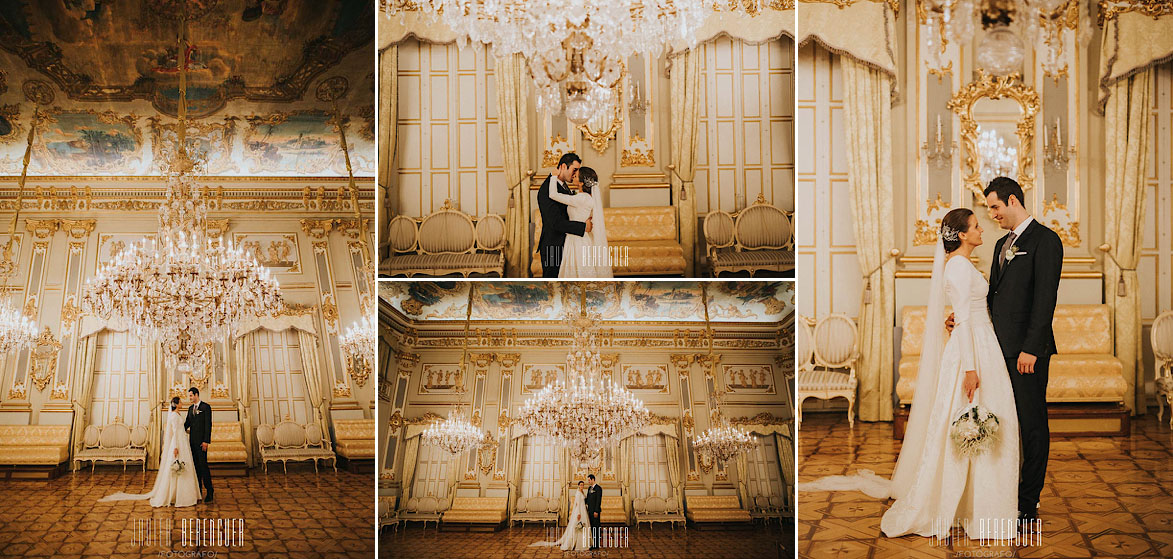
(1012, 252)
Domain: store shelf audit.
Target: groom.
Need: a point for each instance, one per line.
(556, 223)
(199, 429)
(594, 506)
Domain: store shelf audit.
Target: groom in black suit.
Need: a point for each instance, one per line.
(199, 432)
(594, 506)
(1024, 285)
(556, 223)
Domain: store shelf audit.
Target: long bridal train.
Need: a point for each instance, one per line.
(178, 489)
(577, 535)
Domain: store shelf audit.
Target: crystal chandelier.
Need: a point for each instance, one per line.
(457, 434)
(575, 48)
(1041, 21)
(183, 289)
(998, 159)
(589, 411)
(17, 331)
(722, 441)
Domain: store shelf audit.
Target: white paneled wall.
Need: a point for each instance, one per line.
(1156, 264)
(278, 383)
(828, 268)
(449, 144)
(540, 469)
(764, 476)
(651, 467)
(746, 125)
(120, 389)
(431, 473)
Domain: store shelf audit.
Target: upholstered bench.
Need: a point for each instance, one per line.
(643, 241)
(612, 511)
(467, 513)
(1085, 384)
(33, 451)
(226, 453)
(657, 509)
(355, 444)
(446, 242)
(423, 509)
(290, 441)
(534, 509)
(715, 510)
(115, 442)
(758, 238)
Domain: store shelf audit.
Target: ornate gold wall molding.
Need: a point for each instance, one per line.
(147, 199)
(1111, 9)
(996, 87)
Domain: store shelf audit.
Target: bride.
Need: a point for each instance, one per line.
(577, 535)
(172, 488)
(934, 487)
(587, 256)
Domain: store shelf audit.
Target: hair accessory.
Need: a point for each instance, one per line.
(949, 233)
(590, 183)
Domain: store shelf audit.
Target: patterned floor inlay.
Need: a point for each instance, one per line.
(767, 542)
(1104, 497)
(295, 515)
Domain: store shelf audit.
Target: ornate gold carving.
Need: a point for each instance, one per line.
(59, 393)
(424, 419)
(220, 390)
(18, 392)
(601, 138)
(42, 228)
(341, 390)
(987, 86)
(296, 309)
(764, 418)
(78, 228)
(1111, 9)
(638, 153)
(396, 421)
(487, 454)
(69, 314)
(1067, 228)
(841, 4)
(317, 228)
(941, 72)
(558, 146)
(46, 348)
(329, 310)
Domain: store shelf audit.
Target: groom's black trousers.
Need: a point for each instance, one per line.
(203, 473)
(1030, 398)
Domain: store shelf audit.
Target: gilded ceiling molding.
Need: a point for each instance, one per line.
(1111, 9)
(841, 4)
(251, 200)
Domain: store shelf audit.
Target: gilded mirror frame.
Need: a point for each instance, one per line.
(600, 139)
(987, 86)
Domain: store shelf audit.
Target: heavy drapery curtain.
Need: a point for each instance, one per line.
(311, 367)
(241, 355)
(516, 446)
(742, 488)
(872, 36)
(409, 458)
(785, 448)
(868, 127)
(387, 195)
(563, 499)
(1126, 121)
(513, 119)
(684, 86)
(82, 388)
(1131, 43)
(626, 470)
(672, 451)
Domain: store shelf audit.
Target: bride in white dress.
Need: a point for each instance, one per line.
(934, 487)
(577, 535)
(587, 256)
(178, 489)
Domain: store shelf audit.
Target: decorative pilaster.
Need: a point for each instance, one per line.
(319, 230)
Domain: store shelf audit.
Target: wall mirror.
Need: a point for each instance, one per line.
(997, 130)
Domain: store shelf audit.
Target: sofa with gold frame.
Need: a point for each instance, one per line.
(113, 442)
(757, 238)
(290, 441)
(444, 243)
(709, 511)
(475, 513)
(643, 241)
(1085, 385)
(33, 451)
(354, 441)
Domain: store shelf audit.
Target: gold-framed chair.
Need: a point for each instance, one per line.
(832, 372)
(757, 238)
(445, 242)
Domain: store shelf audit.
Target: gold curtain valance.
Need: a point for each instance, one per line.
(1135, 37)
(872, 40)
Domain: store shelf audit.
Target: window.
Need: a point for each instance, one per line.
(651, 468)
(120, 380)
(278, 382)
(431, 472)
(539, 469)
(764, 476)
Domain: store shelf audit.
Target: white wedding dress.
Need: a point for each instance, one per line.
(934, 487)
(587, 256)
(170, 489)
(573, 538)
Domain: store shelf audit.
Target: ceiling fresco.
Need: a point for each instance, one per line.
(103, 77)
(663, 301)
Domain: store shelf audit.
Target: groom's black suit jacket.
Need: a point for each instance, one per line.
(199, 425)
(594, 501)
(556, 225)
(1023, 292)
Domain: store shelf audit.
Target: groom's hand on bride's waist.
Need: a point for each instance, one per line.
(590, 224)
(950, 323)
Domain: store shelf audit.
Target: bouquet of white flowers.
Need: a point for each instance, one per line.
(580, 525)
(975, 431)
(177, 467)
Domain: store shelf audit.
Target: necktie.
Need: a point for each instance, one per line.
(1005, 247)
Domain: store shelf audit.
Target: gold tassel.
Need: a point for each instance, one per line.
(1121, 288)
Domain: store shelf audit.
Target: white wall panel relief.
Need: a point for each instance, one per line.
(449, 143)
(443, 378)
(536, 377)
(828, 265)
(641, 377)
(746, 129)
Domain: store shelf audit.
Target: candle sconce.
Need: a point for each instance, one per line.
(1054, 152)
(639, 105)
(941, 152)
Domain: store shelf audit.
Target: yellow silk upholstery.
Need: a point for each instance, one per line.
(1084, 370)
(715, 508)
(645, 235)
(612, 511)
(227, 443)
(355, 438)
(34, 444)
(490, 510)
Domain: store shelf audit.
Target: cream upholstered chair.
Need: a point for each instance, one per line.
(1162, 334)
(114, 442)
(388, 516)
(292, 441)
(657, 509)
(423, 509)
(446, 242)
(836, 348)
(534, 509)
(759, 237)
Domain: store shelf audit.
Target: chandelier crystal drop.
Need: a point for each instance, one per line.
(17, 332)
(723, 441)
(184, 289)
(455, 434)
(575, 49)
(588, 412)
